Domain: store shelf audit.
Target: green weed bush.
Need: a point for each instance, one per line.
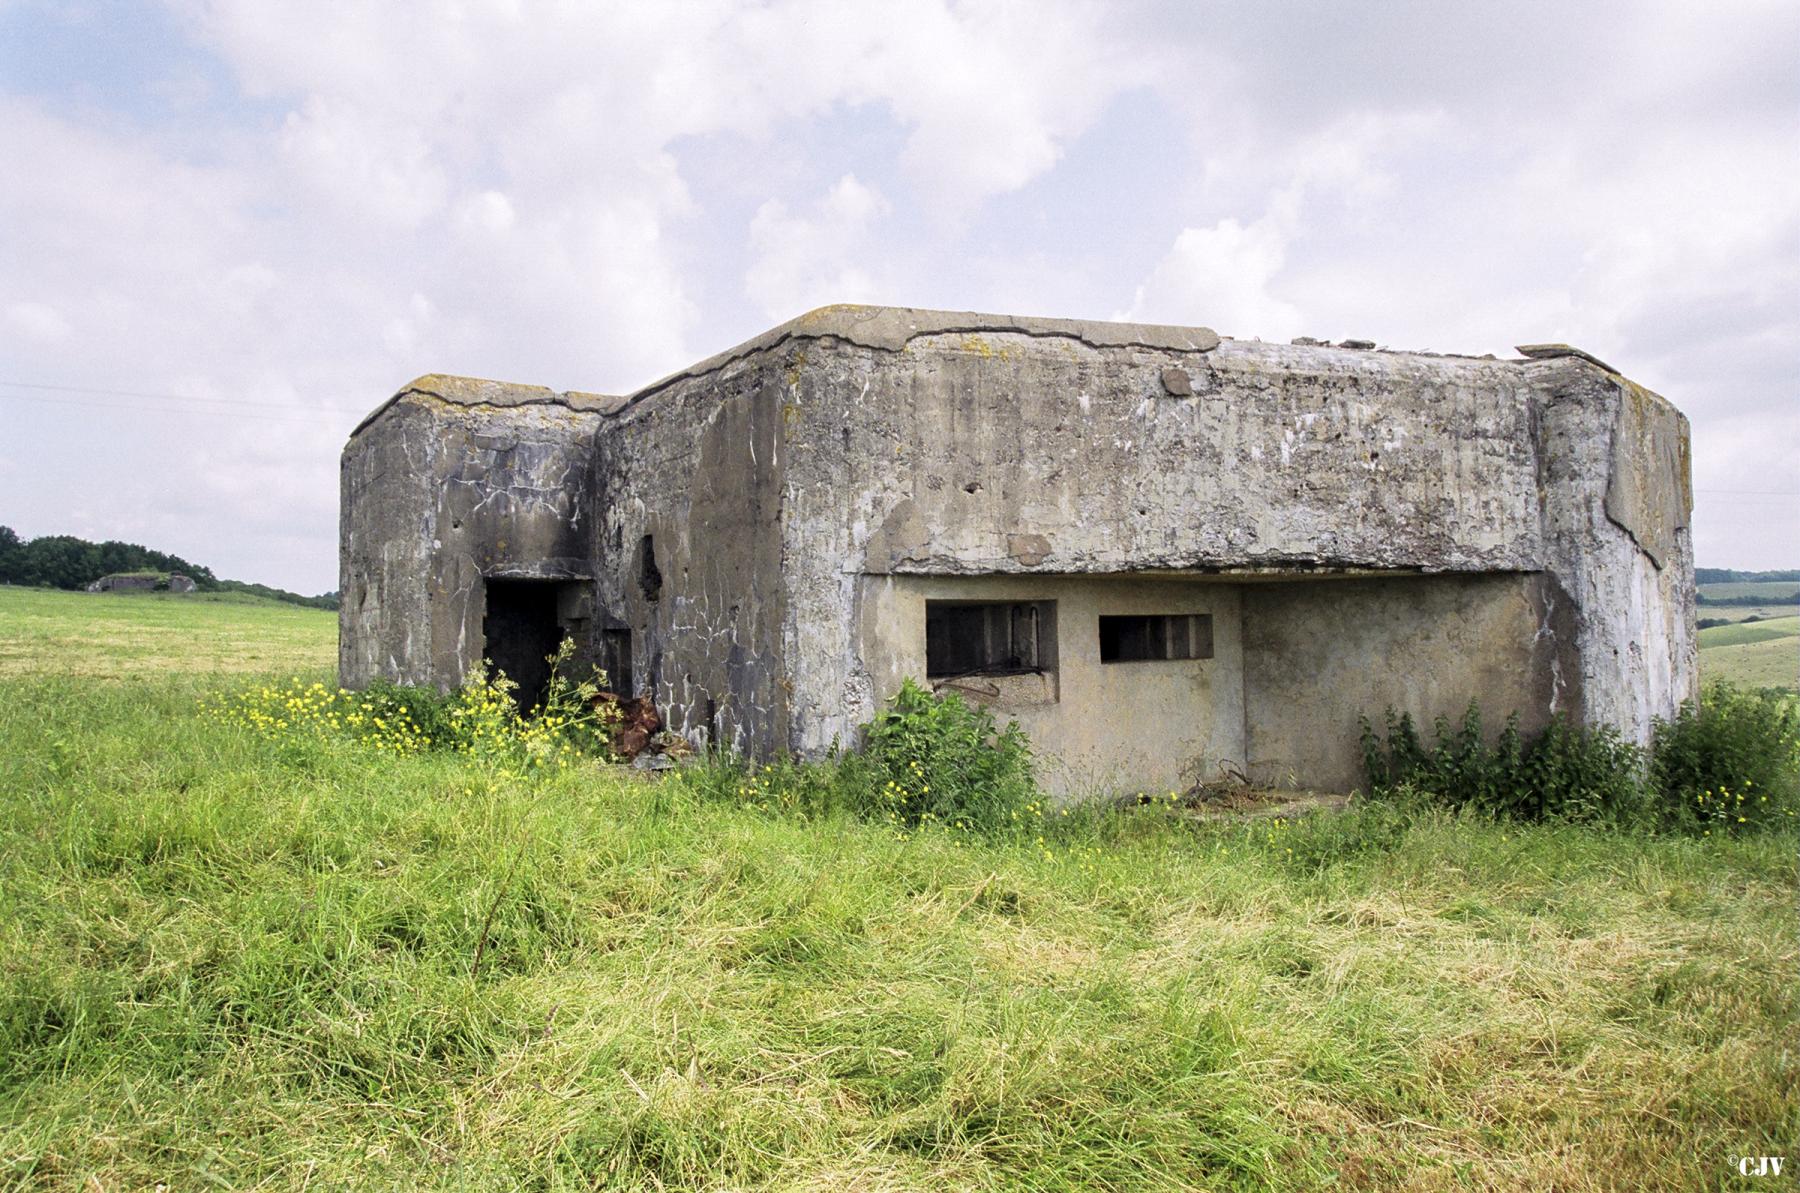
(1729, 760)
(932, 758)
(1587, 776)
(424, 708)
(1578, 775)
(925, 760)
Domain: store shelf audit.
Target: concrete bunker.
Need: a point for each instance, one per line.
(1164, 552)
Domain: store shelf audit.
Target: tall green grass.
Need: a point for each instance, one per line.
(234, 961)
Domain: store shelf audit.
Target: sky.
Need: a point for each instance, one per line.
(230, 229)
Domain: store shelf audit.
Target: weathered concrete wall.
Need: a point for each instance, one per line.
(1319, 654)
(1618, 499)
(692, 472)
(450, 482)
(1100, 727)
(970, 448)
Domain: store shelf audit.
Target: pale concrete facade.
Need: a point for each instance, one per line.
(771, 541)
(1145, 724)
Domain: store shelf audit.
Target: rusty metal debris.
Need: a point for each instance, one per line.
(638, 723)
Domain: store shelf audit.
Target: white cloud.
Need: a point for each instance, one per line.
(402, 335)
(39, 321)
(1220, 277)
(995, 91)
(1228, 275)
(490, 211)
(371, 168)
(799, 262)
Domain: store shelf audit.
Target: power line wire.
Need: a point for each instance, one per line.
(138, 393)
(170, 410)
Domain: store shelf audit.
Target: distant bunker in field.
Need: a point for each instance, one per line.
(143, 582)
(1168, 555)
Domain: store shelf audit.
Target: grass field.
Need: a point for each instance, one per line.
(1761, 654)
(1779, 605)
(103, 634)
(1743, 635)
(231, 962)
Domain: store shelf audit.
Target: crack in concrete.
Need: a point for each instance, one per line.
(551, 398)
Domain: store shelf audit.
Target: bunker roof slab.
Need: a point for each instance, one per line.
(893, 329)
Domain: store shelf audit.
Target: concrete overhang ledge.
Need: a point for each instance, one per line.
(477, 391)
(1554, 351)
(892, 328)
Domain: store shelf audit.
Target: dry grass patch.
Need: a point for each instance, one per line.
(1034, 956)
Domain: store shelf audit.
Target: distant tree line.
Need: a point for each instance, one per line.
(64, 561)
(1730, 576)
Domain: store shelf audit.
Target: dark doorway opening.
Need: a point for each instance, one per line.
(522, 631)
